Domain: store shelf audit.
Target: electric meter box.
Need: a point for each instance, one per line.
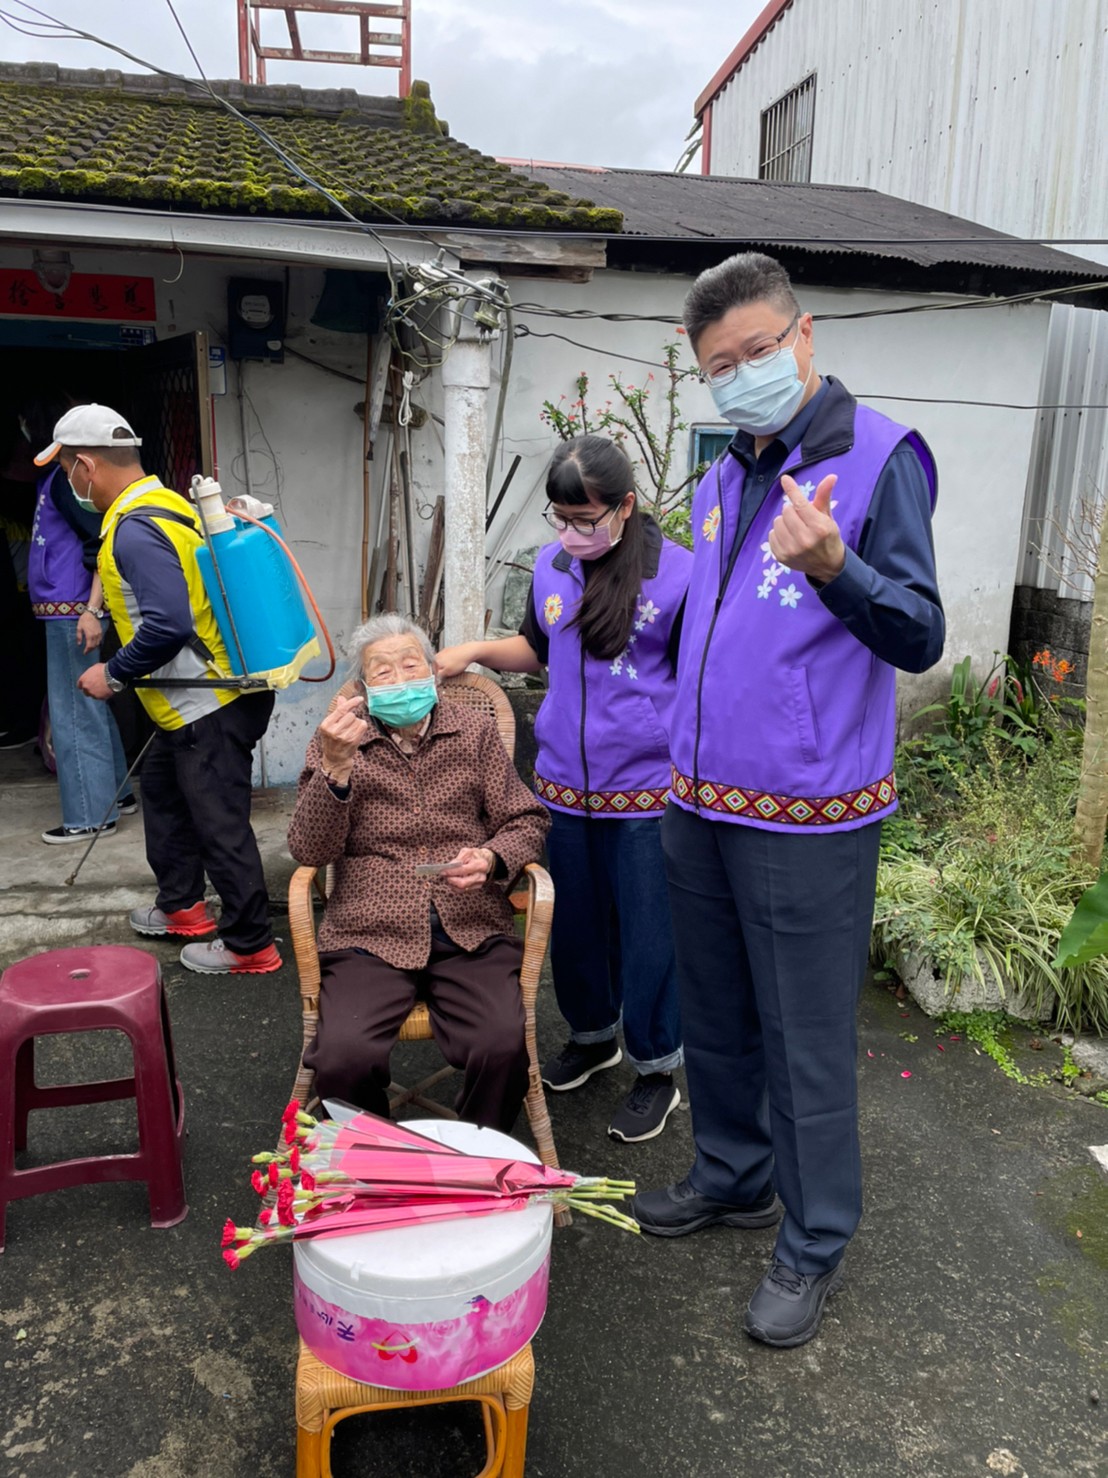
(256, 319)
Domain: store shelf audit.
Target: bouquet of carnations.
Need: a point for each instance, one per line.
(330, 1179)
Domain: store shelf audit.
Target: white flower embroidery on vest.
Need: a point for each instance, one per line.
(789, 596)
(647, 613)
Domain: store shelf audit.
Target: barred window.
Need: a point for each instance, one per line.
(785, 152)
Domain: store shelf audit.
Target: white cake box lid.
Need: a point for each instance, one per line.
(423, 1274)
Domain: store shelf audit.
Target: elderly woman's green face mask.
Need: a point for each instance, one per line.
(399, 685)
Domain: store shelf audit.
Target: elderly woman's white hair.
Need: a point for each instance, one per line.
(376, 629)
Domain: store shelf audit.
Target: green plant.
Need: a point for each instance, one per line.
(1070, 1070)
(985, 883)
(1085, 936)
(985, 1029)
(1006, 703)
(630, 421)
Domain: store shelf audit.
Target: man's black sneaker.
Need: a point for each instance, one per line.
(128, 805)
(787, 1306)
(644, 1111)
(676, 1210)
(576, 1063)
(77, 833)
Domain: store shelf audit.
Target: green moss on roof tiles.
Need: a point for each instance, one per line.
(101, 136)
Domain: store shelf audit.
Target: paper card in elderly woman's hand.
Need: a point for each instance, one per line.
(431, 869)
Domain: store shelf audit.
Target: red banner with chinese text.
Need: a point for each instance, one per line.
(89, 295)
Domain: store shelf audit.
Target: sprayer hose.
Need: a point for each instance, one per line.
(273, 534)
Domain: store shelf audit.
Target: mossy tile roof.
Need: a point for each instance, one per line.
(109, 137)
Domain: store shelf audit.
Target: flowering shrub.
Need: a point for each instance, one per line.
(629, 419)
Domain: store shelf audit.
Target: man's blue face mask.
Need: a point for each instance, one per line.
(762, 398)
(399, 705)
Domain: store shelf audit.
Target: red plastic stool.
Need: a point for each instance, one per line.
(103, 987)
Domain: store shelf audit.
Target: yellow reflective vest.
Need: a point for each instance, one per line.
(170, 708)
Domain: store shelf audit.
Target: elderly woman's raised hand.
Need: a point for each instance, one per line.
(341, 734)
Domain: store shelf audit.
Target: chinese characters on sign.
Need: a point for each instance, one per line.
(115, 299)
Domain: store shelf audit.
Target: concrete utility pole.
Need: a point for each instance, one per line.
(466, 377)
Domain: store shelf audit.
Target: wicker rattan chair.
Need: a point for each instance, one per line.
(534, 901)
(324, 1398)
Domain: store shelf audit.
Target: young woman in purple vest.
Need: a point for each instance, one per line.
(66, 596)
(604, 619)
(813, 581)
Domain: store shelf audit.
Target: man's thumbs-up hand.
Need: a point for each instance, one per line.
(804, 535)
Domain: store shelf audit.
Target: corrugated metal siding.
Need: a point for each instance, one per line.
(994, 111)
(1068, 477)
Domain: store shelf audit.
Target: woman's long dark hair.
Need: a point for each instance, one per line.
(595, 465)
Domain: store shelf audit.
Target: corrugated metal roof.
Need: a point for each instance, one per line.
(823, 219)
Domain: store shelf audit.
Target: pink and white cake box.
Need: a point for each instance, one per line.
(427, 1307)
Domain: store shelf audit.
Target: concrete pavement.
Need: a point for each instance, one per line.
(971, 1337)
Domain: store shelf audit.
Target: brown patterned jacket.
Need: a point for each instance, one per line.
(458, 789)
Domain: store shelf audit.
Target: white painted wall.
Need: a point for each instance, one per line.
(995, 112)
(994, 355)
(311, 466)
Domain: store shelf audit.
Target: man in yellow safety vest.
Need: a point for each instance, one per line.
(196, 778)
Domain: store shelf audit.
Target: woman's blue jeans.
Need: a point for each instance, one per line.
(611, 944)
(91, 763)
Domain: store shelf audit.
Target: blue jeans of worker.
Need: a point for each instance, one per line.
(611, 946)
(772, 933)
(87, 747)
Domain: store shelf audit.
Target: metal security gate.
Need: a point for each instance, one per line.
(166, 393)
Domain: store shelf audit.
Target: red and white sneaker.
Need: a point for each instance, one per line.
(182, 923)
(214, 958)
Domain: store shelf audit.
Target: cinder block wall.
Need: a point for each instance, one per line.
(1041, 619)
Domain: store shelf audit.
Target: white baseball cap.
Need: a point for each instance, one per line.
(88, 425)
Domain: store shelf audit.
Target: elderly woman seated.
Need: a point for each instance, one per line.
(394, 782)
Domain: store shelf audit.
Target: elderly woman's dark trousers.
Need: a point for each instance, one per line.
(476, 1019)
(772, 933)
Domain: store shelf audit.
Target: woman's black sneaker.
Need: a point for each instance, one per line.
(576, 1063)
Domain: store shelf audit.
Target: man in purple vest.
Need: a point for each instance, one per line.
(813, 581)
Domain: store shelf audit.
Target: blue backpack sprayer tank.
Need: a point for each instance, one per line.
(251, 580)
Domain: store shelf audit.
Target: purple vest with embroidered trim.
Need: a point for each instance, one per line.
(783, 719)
(602, 730)
(55, 569)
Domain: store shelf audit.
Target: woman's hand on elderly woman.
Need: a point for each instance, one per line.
(472, 868)
(341, 734)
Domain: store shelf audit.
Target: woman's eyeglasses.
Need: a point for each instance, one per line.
(586, 526)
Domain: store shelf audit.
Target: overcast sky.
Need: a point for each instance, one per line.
(576, 81)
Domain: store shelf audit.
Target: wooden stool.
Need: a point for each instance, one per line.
(324, 1398)
(99, 988)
